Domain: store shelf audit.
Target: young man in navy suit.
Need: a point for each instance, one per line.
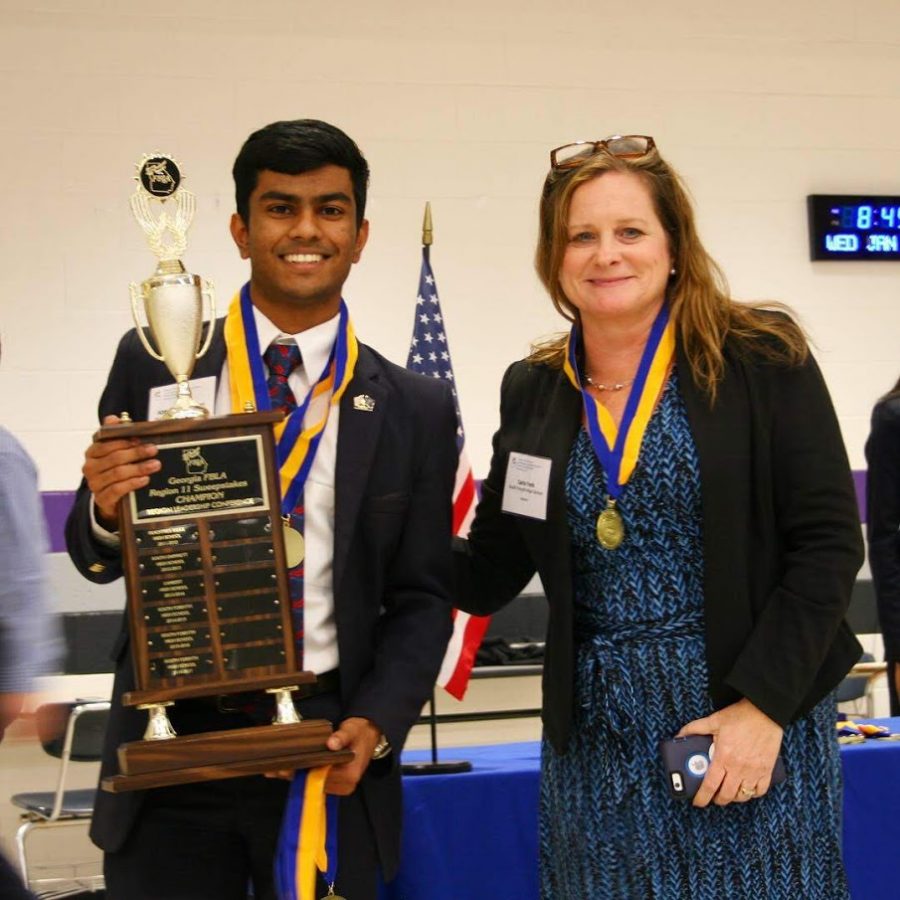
(377, 529)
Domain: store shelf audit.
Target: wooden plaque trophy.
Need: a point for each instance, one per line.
(203, 548)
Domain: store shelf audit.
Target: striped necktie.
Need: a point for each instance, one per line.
(281, 360)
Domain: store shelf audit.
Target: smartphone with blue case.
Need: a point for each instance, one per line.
(686, 760)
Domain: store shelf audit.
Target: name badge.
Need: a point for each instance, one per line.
(527, 481)
(161, 398)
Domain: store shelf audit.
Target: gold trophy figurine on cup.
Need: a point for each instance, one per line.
(172, 297)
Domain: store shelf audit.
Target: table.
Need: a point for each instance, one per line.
(871, 814)
(475, 834)
(471, 835)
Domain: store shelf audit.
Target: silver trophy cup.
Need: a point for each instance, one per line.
(172, 298)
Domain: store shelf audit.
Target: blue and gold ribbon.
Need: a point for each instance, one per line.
(308, 839)
(296, 445)
(618, 448)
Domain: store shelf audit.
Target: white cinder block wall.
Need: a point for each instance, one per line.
(757, 104)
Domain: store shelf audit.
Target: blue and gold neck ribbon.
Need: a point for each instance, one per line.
(618, 448)
(296, 445)
(308, 838)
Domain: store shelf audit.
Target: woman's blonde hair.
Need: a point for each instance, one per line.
(701, 308)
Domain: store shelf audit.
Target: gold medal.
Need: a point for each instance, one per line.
(610, 527)
(617, 446)
(294, 545)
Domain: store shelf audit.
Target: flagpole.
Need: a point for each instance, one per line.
(427, 226)
(434, 767)
(427, 233)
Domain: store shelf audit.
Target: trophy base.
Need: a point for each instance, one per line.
(216, 755)
(189, 410)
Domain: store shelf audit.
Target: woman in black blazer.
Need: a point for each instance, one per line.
(883, 528)
(674, 472)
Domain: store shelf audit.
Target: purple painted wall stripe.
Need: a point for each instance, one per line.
(58, 503)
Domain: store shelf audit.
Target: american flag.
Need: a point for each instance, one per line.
(429, 354)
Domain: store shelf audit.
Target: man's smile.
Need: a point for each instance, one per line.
(303, 257)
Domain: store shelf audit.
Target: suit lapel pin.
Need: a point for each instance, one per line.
(363, 402)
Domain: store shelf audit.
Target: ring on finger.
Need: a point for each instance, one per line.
(747, 792)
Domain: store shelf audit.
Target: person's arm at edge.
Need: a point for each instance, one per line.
(29, 640)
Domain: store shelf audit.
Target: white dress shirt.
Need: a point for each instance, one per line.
(320, 652)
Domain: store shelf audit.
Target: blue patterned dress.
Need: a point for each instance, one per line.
(609, 828)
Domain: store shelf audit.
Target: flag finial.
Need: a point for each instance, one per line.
(427, 228)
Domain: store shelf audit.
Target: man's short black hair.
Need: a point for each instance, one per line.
(292, 148)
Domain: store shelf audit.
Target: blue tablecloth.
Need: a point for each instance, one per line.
(474, 835)
(872, 816)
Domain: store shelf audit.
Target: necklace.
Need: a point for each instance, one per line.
(615, 386)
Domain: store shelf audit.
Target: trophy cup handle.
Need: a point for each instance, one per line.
(135, 296)
(207, 291)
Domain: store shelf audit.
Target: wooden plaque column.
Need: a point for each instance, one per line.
(208, 602)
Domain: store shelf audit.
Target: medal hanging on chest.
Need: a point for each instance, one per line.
(294, 544)
(617, 449)
(296, 445)
(610, 527)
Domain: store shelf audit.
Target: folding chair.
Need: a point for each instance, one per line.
(858, 685)
(71, 732)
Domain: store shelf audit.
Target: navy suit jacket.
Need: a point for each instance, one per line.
(392, 567)
(781, 533)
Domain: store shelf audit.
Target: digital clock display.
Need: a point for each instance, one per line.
(853, 227)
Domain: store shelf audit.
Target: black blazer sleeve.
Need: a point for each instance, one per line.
(414, 624)
(817, 541)
(95, 561)
(883, 518)
(494, 564)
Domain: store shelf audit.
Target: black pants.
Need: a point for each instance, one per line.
(216, 840)
(11, 887)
